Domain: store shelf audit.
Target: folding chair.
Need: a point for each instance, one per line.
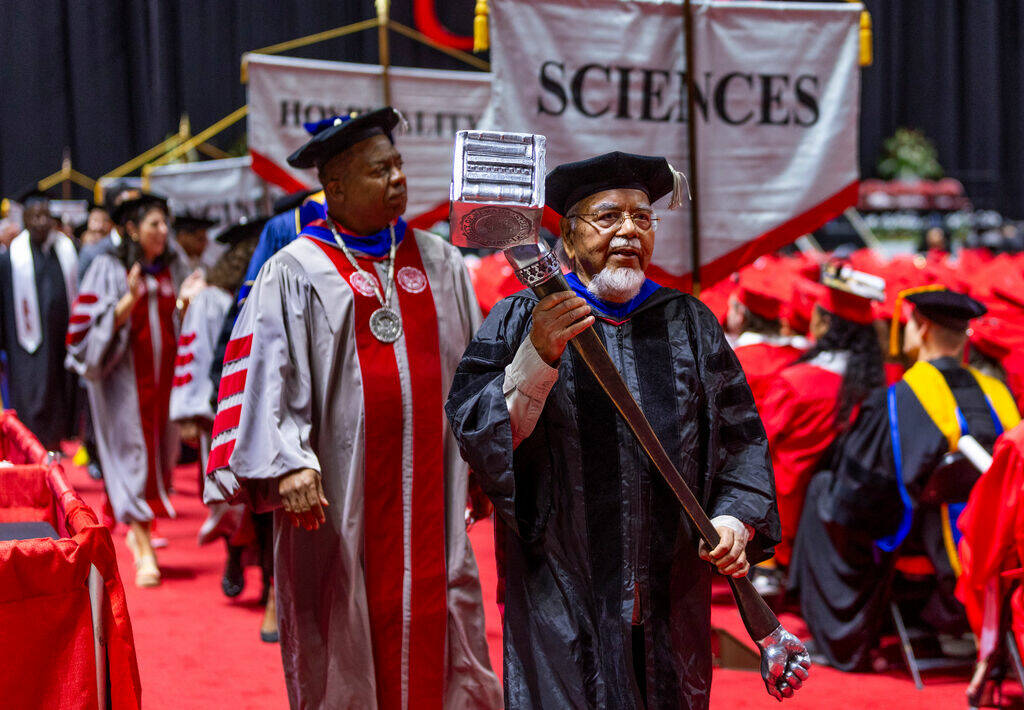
(951, 482)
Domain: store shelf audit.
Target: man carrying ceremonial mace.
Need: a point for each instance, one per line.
(592, 454)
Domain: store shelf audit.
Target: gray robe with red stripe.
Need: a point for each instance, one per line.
(128, 373)
(381, 606)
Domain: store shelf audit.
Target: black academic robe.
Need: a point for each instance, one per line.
(589, 523)
(843, 578)
(42, 391)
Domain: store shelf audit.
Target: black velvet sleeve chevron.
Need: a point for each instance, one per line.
(479, 418)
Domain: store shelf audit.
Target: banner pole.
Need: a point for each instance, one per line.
(65, 174)
(383, 49)
(691, 137)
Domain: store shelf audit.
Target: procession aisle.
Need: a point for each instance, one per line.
(198, 649)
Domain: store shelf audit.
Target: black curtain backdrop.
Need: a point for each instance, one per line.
(955, 70)
(110, 78)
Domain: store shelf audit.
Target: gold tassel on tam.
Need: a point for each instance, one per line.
(897, 310)
(480, 39)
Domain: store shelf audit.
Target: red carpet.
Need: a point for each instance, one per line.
(198, 649)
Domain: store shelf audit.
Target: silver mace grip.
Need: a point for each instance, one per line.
(785, 663)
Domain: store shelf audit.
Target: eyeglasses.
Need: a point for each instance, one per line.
(611, 220)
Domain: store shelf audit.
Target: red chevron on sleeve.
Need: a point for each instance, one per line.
(238, 348)
(231, 384)
(219, 456)
(82, 313)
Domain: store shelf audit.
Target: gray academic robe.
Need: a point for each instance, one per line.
(128, 373)
(300, 404)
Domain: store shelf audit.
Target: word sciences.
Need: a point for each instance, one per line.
(634, 93)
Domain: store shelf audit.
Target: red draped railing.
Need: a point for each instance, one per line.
(63, 616)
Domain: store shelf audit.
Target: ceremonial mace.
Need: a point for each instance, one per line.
(497, 198)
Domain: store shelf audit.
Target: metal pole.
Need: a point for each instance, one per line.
(691, 137)
(384, 51)
(65, 174)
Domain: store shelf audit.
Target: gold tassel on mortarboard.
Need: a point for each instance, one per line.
(480, 38)
(897, 309)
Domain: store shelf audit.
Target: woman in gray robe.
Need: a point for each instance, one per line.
(121, 339)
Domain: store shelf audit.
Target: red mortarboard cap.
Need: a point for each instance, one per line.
(806, 295)
(1008, 283)
(995, 338)
(716, 297)
(850, 293)
(761, 294)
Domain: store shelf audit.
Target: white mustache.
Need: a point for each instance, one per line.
(619, 242)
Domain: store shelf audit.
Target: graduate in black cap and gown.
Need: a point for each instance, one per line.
(861, 516)
(330, 414)
(607, 597)
(38, 283)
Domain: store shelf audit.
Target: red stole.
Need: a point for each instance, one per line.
(384, 512)
(153, 382)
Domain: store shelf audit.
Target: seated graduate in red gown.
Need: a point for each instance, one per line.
(866, 512)
(756, 309)
(330, 414)
(992, 551)
(817, 397)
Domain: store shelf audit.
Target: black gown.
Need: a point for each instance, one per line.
(40, 389)
(587, 520)
(843, 578)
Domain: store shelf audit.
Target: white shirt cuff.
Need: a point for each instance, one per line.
(528, 380)
(742, 530)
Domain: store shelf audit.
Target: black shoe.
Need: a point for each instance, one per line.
(270, 637)
(233, 581)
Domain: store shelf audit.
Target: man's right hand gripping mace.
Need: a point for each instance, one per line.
(497, 198)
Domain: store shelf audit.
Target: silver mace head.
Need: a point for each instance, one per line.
(497, 198)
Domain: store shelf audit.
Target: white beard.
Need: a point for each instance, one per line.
(616, 285)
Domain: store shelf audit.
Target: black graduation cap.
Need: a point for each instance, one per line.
(290, 202)
(571, 182)
(188, 223)
(242, 230)
(947, 308)
(335, 134)
(31, 195)
(129, 209)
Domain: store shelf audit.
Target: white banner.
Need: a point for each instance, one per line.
(778, 98)
(284, 93)
(221, 190)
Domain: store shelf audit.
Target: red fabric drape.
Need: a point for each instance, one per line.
(45, 613)
(17, 444)
(992, 546)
